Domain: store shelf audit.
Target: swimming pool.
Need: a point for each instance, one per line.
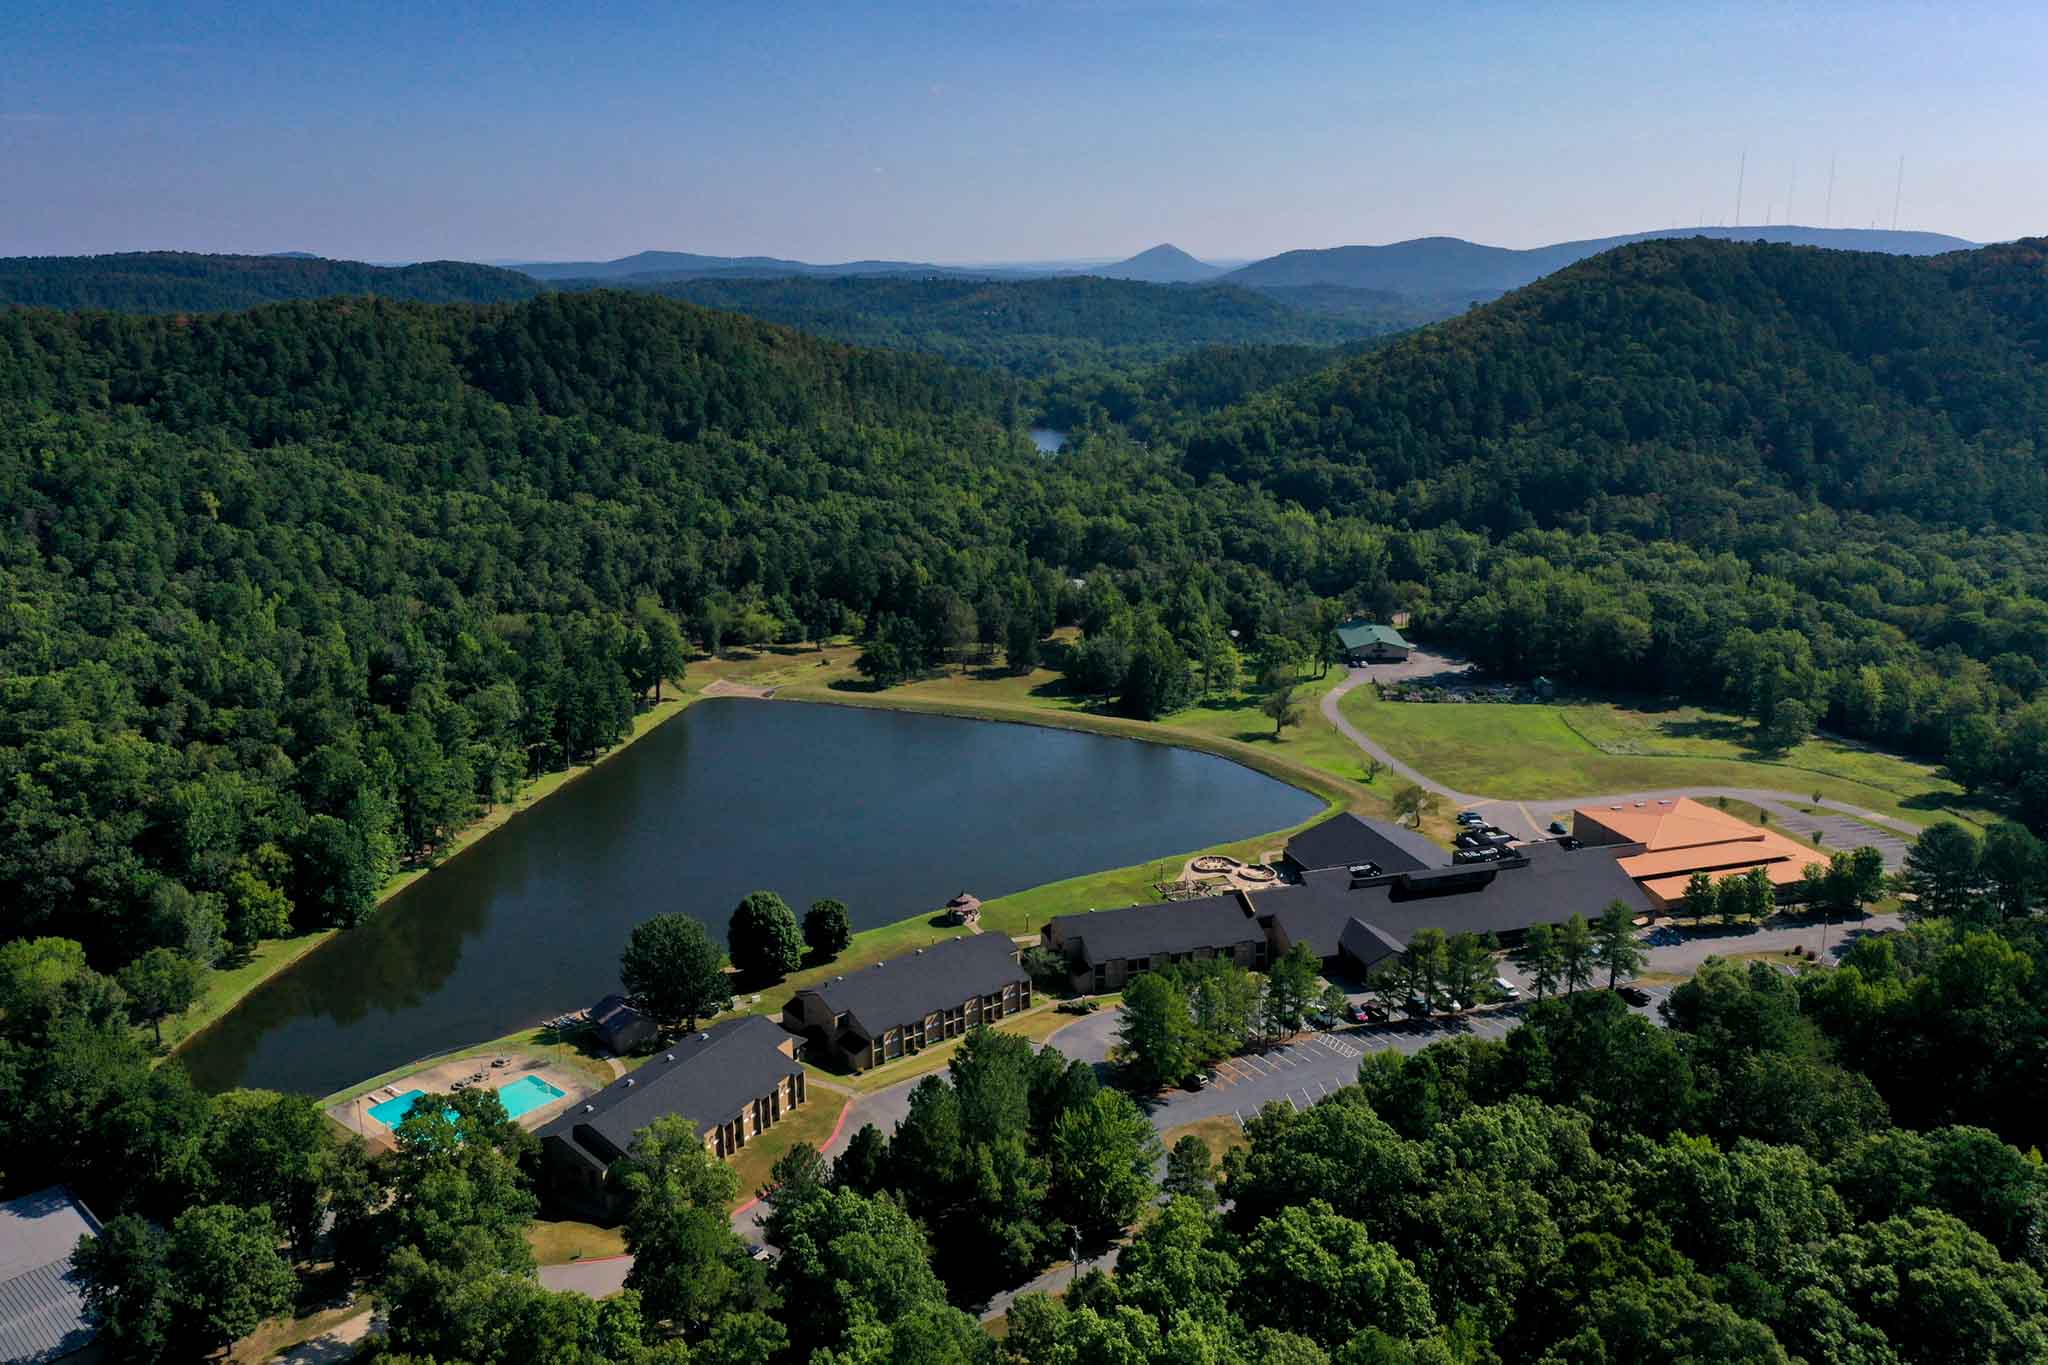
(521, 1097)
(392, 1111)
(527, 1094)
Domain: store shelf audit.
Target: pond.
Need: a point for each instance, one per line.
(1048, 441)
(889, 812)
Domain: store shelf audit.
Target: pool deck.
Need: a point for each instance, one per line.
(354, 1114)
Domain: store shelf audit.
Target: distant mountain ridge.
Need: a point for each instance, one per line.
(1445, 267)
(1162, 264)
(193, 282)
(656, 267)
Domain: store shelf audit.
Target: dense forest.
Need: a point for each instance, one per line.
(192, 282)
(1819, 1169)
(291, 594)
(296, 592)
(1038, 328)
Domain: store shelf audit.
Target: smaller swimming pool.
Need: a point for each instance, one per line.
(392, 1111)
(527, 1094)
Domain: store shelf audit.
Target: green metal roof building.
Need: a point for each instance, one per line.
(1360, 641)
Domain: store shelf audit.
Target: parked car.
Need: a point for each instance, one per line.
(1508, 989)
(1635, 995)
(1195, 1080)
(1557, 827)
(1471, 817)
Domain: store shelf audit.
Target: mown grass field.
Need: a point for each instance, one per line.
(1554, 751)
(559, 1243)
(1218, 1134)
(812, 1122)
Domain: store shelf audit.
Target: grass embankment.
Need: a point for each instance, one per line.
(226, 989)
(1570, 749)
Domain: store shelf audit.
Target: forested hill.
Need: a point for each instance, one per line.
(288, 595)
(190, 282)
(1664, 385)
(1032, 327)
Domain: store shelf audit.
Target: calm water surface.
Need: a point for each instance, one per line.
(1048, 441)
(890, 812)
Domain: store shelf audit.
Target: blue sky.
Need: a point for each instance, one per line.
(989, 130)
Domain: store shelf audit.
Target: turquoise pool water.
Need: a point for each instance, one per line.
(392, 1111)
(527, 1094)
(521, 1097)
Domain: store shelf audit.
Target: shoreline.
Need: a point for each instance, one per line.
(1338, 791)
(1337, 794)
(530, 795)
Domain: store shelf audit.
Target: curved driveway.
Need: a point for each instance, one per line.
(1848, 827)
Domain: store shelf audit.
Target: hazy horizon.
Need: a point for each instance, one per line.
(1001, 132)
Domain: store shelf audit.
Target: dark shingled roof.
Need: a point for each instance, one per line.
(1349, 840)
(42, 1308)
(1155, 930)
(903, 989)
(715, 1075)
(1367, 944)
(1545, 885)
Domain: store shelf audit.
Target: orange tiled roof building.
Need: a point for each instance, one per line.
(1680, 836)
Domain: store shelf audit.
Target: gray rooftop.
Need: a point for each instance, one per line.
(1547, 884)
(1347, 840)
(42, 1312)
(1155, 930)
(902, 990)
(715, 1075)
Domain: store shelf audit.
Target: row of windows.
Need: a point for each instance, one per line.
(1121, 970)
(949, 1023)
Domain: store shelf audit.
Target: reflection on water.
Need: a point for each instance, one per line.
(1048, 441)
(891, 813)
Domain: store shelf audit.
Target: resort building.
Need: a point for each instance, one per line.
(1105, 948)
(1668, 841)
(1360, 641)
(1349, 841)
(1355, 922)
(619, 1026)
(902, 1005)
(732, 1081)
(42, 1307)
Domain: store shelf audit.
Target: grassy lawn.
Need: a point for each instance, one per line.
(1539, 752)
(1219, 1134)
(1038, 1023)
(812, 1122)
(558, 1243)
(584, 1063)
(225, 988)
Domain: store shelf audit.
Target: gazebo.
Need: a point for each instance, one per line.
(963, 909)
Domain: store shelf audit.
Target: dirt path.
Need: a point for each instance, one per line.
(723, 687)
(1845, 827)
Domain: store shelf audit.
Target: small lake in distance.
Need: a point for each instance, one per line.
(888, 811)
(1048, 441)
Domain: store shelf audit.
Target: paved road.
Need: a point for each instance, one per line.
(1845, 826)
